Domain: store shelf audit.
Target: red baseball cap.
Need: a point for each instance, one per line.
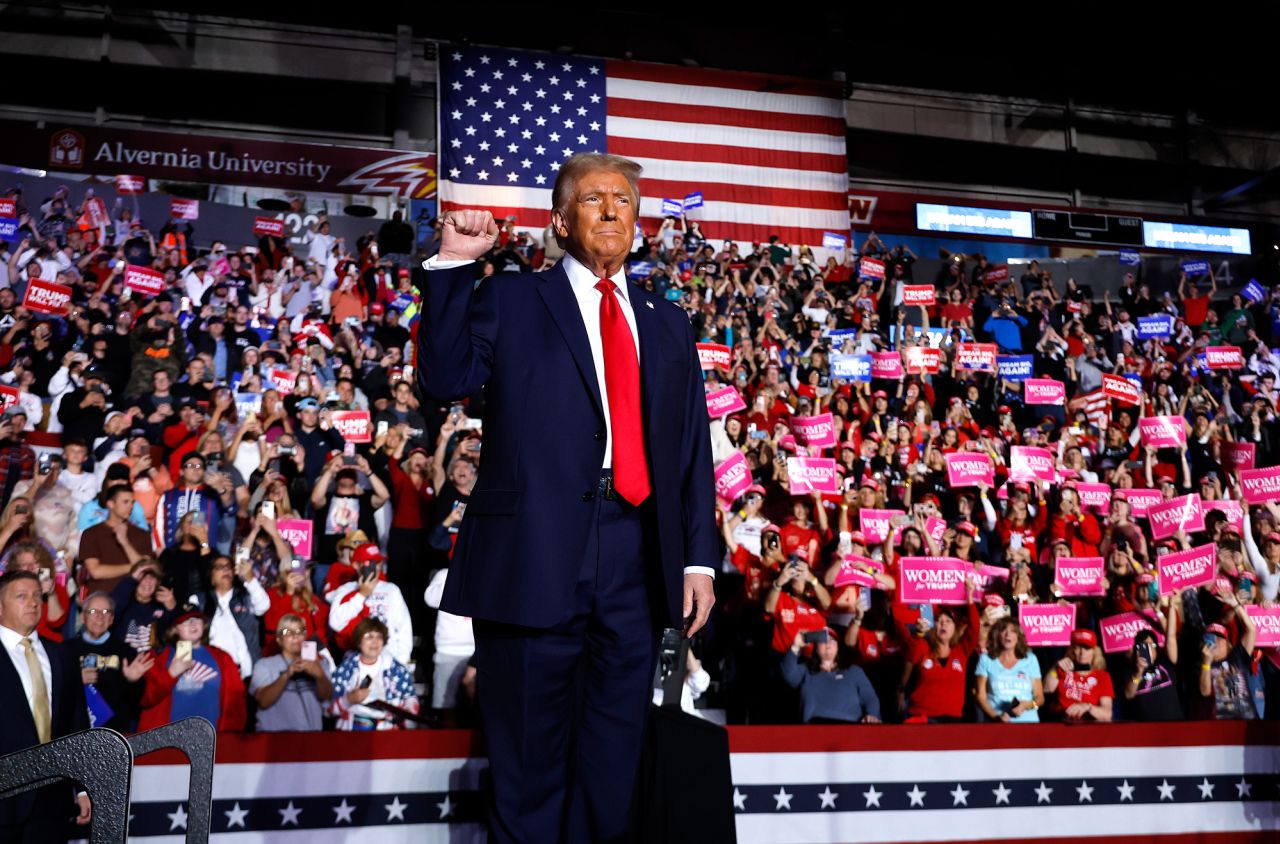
(1272, 537)
(756, 488)
(1217, 630)
(368, 553)
(377, 308)
(1084, 638)
(879, 394)
(968, 528)
(1004, 408)
(931, 499)
(871, 482)
(992, 600)
(858, 537)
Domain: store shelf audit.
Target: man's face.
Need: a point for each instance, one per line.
(20, 606)
(74, 455)
(122, 505)
(195, 371)
(600, 221)
(98, 617)
(192, 471)
(161, 380)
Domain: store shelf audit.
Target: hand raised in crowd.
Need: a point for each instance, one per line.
(166, 598)
(180, 665)
(135, 668)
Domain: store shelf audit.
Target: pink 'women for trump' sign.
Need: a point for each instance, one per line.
(1267, 620)
(1119, 631)
(1028, 463)
(1184, 569)
(859, 571)
(968, 468)
(1047, 624)
(724, 401)
(1163, 431)
(1183, 513)
(875, 524)
(733, 476)
(1260, 485)
(986, 579)
(1044, 391)
(1142, 500)
(1079, 576)
(816, 431)
(932, 580)
(812, 474)
(886, 365)
(1237, 456)
(1095, 497)
(1229, 508)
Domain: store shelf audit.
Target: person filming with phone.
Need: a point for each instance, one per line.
(830, 693)
(293, 686)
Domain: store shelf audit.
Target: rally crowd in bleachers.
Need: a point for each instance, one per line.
(943, 498)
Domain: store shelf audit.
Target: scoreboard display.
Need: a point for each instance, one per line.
(1078, 227)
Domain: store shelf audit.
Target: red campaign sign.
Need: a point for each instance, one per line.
(1049, 625)
(268, 225)
(96, 209)
(8, 397)
(8, 208)
(1224, 357)
(144, 280)
(1183, 569)
(1119, 631)
(870, 268)
(1229, 508)
(919, 294)
(1260, 485)
(724, 401)
(356, 426)
(996, 274)
(1238, 456)
(978, 357)
(1163, 431)
(715, 356)
(922, 359)
(283, 379)
(1120, 388)
(184, 209)
(47, 297)
(131, 184)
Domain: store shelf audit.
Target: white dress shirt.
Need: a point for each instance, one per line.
(12, 643)
(583, 281)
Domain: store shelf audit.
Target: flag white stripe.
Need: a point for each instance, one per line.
(711, 173)
(734, 136)
(702, 95)
(765, 215)
(499, 195)
(396, 833)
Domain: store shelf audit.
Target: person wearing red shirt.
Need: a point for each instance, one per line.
(800, 532)
(292, 595)
(343, 570)
(878, 648)
(934, 678)
(409, 560)
(1084, 688)
(797, 602)
(757, 571)
(1078, 528)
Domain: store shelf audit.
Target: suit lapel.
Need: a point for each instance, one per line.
(9, 679)
(649, 328)
(557, 295)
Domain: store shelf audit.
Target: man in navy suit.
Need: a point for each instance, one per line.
(42, 699)
(591, 525)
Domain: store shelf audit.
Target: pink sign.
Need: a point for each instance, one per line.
(1229, 508)
(1238, 455)
(354, 425)
(47, 297)
(1260, 485)
(1183, 513)
(1224, 357)
(814, 431)
(733, 476)
(1163, 431)
(724, 401)
(1119, 631)
(715, 356)
(130, 184)
(297, 532)
(918, 294)
(1142, 500)
(1267, 620)
(1095, 497)
(969, 468)
(922, 359)
(1029, 463)
(1121, 389)
(1079, 576)
(144, 280)
(812, 474)
(1045, 391)
(269, 226)
(886, 365)
(1183, 569)
(987, 579)
(932, 580)
(1047, 624)
(977, 357)
(860, 571)
(934, 526)
(184, 209)
(874, 524)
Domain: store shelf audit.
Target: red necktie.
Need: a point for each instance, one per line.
(622, 381)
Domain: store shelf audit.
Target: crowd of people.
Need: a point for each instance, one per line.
(208, 542)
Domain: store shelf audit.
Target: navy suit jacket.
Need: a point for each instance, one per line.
(521, 337)
(68, 714)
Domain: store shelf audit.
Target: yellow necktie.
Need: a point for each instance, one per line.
(39, 694)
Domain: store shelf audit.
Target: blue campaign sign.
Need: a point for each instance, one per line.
(1135, 379)
(640, 269)
(672, 208)
(1195, 268)
(693, 200)
(1192, 238)
(1253, 291)
(1155, 326)
(1015, 367)
(9, 229)
(851, 367)
(1130, 258)
(832, 240)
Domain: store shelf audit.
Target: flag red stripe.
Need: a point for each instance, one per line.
(761, 83)
(747, 194)
(532, 217)
(743, 118)
(717, 153)
(751, 232)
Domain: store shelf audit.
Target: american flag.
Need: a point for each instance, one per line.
(1096, 405)
(768, 155)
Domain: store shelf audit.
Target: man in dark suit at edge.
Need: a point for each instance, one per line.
(591, 525)
(42, 699)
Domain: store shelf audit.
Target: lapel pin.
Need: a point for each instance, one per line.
(650, 304)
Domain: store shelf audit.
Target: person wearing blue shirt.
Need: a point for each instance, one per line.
(1006, 325)
(828, 692)
(1009, 687)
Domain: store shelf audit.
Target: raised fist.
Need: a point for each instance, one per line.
(467, 234)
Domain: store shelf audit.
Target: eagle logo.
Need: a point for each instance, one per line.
(411, 174)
